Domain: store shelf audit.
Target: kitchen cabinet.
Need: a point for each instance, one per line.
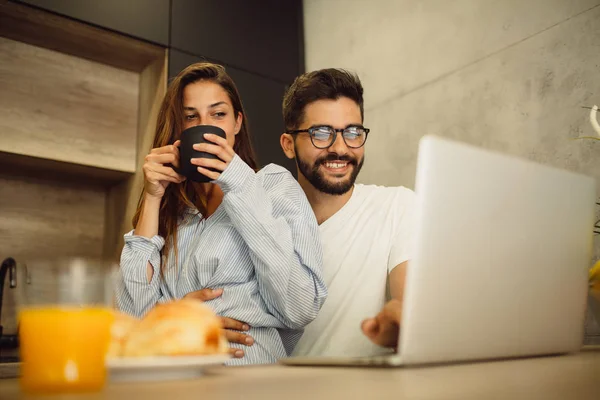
(263, 36)
(143, 19)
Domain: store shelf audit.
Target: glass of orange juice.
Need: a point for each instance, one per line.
(65, 316)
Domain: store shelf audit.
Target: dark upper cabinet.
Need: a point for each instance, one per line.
(262, 100)
(143, 19)
(260, 36)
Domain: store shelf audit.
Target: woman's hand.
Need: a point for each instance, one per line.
(157, 175)
(220, 148)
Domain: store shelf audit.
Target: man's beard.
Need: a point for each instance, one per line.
(318, 180)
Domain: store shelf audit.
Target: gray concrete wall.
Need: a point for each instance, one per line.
(508, 75)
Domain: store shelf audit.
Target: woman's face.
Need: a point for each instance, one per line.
(207, 103)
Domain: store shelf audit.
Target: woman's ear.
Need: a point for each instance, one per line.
(287, 144)
(238, 123)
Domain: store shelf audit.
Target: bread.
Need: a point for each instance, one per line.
(181, 327)
(122, 325)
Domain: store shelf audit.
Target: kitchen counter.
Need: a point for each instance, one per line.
(9, 370)
(562, 377)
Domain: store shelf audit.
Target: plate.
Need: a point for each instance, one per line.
(161, 368)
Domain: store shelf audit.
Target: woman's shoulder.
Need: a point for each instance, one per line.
(285, 192)
(276, 178)
(274, 169)
(275, 173)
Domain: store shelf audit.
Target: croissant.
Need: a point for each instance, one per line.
(180, 327)
(122, 325)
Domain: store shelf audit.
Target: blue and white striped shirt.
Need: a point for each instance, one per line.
(261, 245)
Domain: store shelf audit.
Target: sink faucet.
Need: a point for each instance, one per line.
(8, 265)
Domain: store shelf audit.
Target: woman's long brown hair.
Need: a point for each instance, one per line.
(168, 129)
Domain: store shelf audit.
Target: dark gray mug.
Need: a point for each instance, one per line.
(189, 138)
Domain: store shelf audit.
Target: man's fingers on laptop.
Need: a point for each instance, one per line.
(370, 328)
(393, 311)
(389, 321)
(388, 334)
(383, 329)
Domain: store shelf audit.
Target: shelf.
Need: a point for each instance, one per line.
(42, 168)
(78, 109)
(65, 108)
(43, 29)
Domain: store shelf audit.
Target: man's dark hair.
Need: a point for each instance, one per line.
(330, 84)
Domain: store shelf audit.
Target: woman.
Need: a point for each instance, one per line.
(253, 234)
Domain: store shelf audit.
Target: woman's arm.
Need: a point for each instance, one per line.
(139, 289)
(273, 216)
(148, 224)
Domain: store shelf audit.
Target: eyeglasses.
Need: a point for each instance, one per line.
(323, 136)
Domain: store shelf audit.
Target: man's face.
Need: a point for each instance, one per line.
(332, 170)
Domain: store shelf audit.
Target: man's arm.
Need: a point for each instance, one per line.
(383, 329)
(397, 279)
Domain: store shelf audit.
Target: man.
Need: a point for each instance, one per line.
(366, 230)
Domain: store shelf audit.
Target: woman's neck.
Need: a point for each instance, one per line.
(214, 197)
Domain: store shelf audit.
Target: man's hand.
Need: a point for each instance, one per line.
(384, 328)
(230, 326)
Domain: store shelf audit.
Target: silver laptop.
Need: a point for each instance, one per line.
(503, 247)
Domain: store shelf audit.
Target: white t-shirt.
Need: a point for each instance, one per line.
(362, 243)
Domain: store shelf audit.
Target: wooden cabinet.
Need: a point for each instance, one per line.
(263, 37)
(143, 19)
(77, 115)
(52, 101)
(260, 42)
(76, 121)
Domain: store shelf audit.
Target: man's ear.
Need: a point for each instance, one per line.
(287, 144)
(238, 123)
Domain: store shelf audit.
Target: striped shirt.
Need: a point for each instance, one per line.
(261, 245)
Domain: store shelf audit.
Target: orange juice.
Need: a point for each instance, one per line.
(63, 348)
